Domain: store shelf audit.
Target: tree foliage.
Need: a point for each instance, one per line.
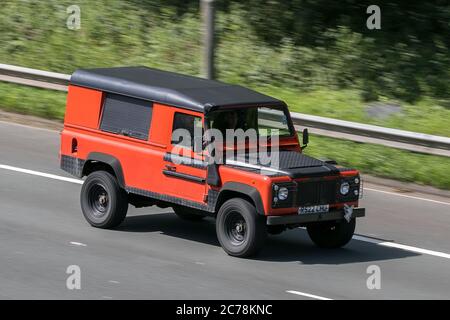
(300, 44)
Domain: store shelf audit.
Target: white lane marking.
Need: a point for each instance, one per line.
(78, 244)
(307, 295)
(41, 174)
(402, 247)
(114, 281)
(406, 196)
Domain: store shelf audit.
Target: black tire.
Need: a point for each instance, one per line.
(275, 230)
(240, 229)
(103, 202)
(189, 214)
(333, 234)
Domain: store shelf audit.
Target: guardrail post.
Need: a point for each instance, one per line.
(208, 17)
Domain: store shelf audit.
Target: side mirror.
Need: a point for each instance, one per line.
(305, 138)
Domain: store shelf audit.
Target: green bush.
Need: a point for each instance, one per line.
(303, 46)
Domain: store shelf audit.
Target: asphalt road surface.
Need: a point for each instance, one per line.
(155, 255)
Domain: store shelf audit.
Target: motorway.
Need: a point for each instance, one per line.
(155, 255)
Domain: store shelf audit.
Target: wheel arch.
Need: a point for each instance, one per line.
(102, 161)
(240, 190)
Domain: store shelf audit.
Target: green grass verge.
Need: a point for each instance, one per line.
(39, 102)
(427, 116)
(383, 161)
(371, 159)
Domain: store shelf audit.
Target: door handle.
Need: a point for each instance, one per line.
(171, 167)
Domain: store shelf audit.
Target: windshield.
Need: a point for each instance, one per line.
(266, 121)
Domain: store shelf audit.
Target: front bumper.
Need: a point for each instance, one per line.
(313, 217)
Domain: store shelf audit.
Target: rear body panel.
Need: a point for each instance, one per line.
(142, 162)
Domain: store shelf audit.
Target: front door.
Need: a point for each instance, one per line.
(184, 171)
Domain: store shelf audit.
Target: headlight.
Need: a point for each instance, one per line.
(345, 188)
(283, 193)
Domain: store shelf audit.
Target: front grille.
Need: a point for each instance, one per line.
(317, 192)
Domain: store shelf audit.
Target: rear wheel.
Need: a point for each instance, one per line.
(240, 229)
(332, 234)
(189, 214)
(103, 202)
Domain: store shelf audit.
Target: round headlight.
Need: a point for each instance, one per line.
(345, 188)
(283, 193)
(356, 180)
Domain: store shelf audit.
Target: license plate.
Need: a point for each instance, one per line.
(314, 209)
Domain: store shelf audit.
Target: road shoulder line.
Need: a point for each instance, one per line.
(395, 245)
(308, 295)
(41, 174)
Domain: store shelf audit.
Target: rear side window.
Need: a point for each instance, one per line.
(126, 116)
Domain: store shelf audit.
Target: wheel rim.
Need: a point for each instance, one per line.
(235, 228)
(98, 200)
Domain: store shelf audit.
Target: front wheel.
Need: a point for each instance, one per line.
(333, 234)
(240, 229)
(103, 202)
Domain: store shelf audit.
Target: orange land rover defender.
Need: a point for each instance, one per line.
(118, 132)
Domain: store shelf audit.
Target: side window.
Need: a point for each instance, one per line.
(126, 116)
(187, 131)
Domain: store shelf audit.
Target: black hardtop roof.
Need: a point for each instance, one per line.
(170, 88)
